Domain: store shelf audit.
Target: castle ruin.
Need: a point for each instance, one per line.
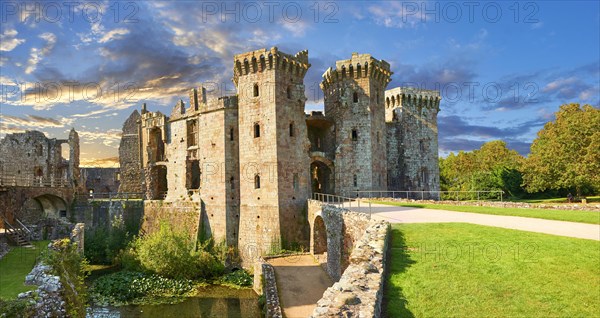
(242, 167)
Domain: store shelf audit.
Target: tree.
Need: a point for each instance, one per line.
(491, 167)
(565, 154)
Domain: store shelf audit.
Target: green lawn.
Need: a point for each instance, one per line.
(560, 215)
(15, 266)
(593, 199)
(465, 270)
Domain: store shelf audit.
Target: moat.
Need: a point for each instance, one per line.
(212, 301)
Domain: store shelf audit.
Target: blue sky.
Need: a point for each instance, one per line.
(503, 68)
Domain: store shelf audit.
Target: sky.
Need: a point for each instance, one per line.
(503, 68)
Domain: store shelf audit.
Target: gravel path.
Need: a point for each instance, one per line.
(301, 282)
(397, 214)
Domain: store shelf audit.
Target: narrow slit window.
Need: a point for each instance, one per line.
(355, 180)
(354, 135)
(256, 182)
(291, 129)
(295, 182)
(255, 90)
(355, 97)
(256, 130)
(232, 183)
(231, 134)
(289, 92)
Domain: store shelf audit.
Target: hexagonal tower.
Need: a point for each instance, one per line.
(354, 99)
(273, 151)
(411, 116)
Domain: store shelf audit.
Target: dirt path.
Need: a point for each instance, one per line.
(397, 214)
(301, 282)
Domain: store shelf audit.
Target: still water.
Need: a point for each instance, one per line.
(213, 301)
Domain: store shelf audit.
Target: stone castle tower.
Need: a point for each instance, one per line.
(273, 147)
(354, 100)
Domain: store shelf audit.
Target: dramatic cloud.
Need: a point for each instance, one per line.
(113, 35)
(9, 41)
(112, 162)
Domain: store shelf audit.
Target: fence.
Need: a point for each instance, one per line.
(433, 195)
(343, 202)
(113, 196)
(39, 182)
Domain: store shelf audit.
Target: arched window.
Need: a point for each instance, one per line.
(256, 130)
(255, 91)
(262, 63)
(292, 133)
(289, 92)
(366, 69)
(343, 71)
(270, 61)
(358, 73)
(393, 101)
(256, 182)
(351, 70)
(355, 97)
(387, 101)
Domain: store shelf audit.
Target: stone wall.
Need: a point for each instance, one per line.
(182, 215)
(130, 161)
(265, 283)
(101, 180)
(359, 291)
(524, 205)
(4, 249)
(47, 298)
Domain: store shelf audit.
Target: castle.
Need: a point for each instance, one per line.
(250, 161)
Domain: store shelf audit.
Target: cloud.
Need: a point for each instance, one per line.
(115, 34)
(9, 40)
(37, 55)
(33, 121)
(455, 145)
(110, 138)
(450, 126)
(397, 14)
(111, 162)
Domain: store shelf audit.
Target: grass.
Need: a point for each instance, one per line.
(465, 270)
(15, 265)
(593, 199)
(590, 217)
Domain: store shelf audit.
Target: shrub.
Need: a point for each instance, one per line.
(135, 287)
(171, 253)
(69, 265)
(16, 308)
(237, 278)
(104, 244)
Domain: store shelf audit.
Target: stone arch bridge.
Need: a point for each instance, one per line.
(30, 202)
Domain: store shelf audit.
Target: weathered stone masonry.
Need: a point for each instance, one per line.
(251, 161)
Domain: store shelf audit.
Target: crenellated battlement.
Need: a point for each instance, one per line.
(262, 60)
(410, 96)
(359, 66)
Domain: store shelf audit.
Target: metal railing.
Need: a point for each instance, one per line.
(113, 196)
(343, 202)
(40, 182)
(432, 195)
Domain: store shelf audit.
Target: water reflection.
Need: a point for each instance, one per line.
(214, 301)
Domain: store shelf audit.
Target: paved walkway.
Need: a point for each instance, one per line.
(397, 214)
(301, 282)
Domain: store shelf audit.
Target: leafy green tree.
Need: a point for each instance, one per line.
(491, 167)
(566, 154)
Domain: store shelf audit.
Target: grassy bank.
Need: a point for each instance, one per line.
(464, 270)
(15, 265)
(590, 217)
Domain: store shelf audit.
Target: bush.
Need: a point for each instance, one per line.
(16, 308)
(104, 244)
(135, 287)
(172, 254)
(237, 278)
(69, 265)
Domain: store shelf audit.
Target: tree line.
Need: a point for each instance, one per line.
(564, 158)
